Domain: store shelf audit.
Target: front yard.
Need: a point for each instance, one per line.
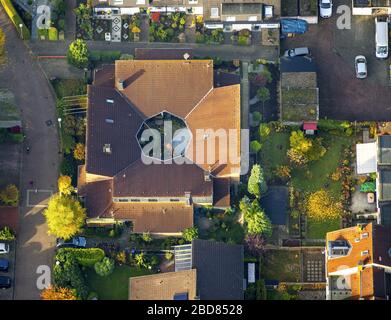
(116, 285)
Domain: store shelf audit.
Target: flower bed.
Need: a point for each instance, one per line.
(166, 27)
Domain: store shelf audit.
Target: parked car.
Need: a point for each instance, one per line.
(304, 51)
(4, 248)
(5, 282)
(381, 37)
(4, 264)
(325, 8)
(75, 242)
(360, 63)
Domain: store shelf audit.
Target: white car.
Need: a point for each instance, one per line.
(360, 63)
(4, 248)
(325, 8)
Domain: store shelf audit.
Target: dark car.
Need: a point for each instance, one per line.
(4, 264)
(76, 242)
(5, 282)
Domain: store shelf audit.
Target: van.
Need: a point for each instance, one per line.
(304, 51)
(381, 24)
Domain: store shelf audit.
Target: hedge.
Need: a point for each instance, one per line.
(15, 18)
(105, 56)
(86, 257)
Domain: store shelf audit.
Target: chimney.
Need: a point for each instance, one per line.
(121, 85)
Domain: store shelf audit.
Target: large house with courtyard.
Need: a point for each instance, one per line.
(161, 139)
(230, 15)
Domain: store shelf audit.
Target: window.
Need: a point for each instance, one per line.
(152, 200)
(364, 235)
(140, 2)
(193, 1)
(107, 148)
(174, 200)
(134, 200)
(110, 101)
(364, 253)
(122, 200)
(214, 12)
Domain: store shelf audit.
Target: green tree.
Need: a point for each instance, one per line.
(255, 146)
(64, 216)
(79, 151)
(255, 218)
(304, 149)
(256, 182)
(104, 267)
(10, 195)
(189, 234)
(263, 95)
(78, 54)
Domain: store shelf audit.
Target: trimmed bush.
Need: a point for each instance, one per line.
(53, 34)
(86, 257)
(15, 18)
(6, 234)
(105, 267)
(105, 56)
(255, 146)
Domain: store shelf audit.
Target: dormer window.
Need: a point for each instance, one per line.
(107, 148)
(365, 253)
(111, 101)
(338, 248)
(364, 235)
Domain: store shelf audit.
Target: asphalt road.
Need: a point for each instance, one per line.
(225, 51)
(34, 98)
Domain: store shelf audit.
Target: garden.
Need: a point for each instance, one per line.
(317, 170)
(167, 27)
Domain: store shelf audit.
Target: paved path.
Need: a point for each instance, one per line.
(37, 105)
(227, 52)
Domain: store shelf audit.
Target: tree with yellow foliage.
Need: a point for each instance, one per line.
(304, 149)
(79, 151)
(64, 216)
(321, 206)
(53, 293)
(65, 185)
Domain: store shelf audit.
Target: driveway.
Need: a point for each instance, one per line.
(37, 105)
(342, 96)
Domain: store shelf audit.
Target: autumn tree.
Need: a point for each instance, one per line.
(283, 172)
(64, 216)
(10, 195)
(303, 149)
(256, 182)
(65, 185)
(321, 206)
(79, 151)
(78, 54)
(54, 293)
(255, 218)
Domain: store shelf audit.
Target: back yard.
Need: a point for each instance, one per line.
(104, 286)
(324, 173)
(282, 265)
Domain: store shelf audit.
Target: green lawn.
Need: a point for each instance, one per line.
(273, 152)
(282, 265)
(115, 286)
(314, 177)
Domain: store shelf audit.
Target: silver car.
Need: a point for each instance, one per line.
(360, 63)
(4, 248)
(304, 51)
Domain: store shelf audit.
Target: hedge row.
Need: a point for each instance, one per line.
(105, 56)
(86, 257)
(15, 18)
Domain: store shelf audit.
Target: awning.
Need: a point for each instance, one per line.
(366, 157)
(310, 126)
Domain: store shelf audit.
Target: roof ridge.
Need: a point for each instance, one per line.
(201, 100)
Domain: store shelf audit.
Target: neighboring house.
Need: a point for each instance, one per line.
(358, 263)
(299, 92)
(375, 157)
(383, 181)
(227, 14)
(204, 270)
(371, 7)
(122, 180)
